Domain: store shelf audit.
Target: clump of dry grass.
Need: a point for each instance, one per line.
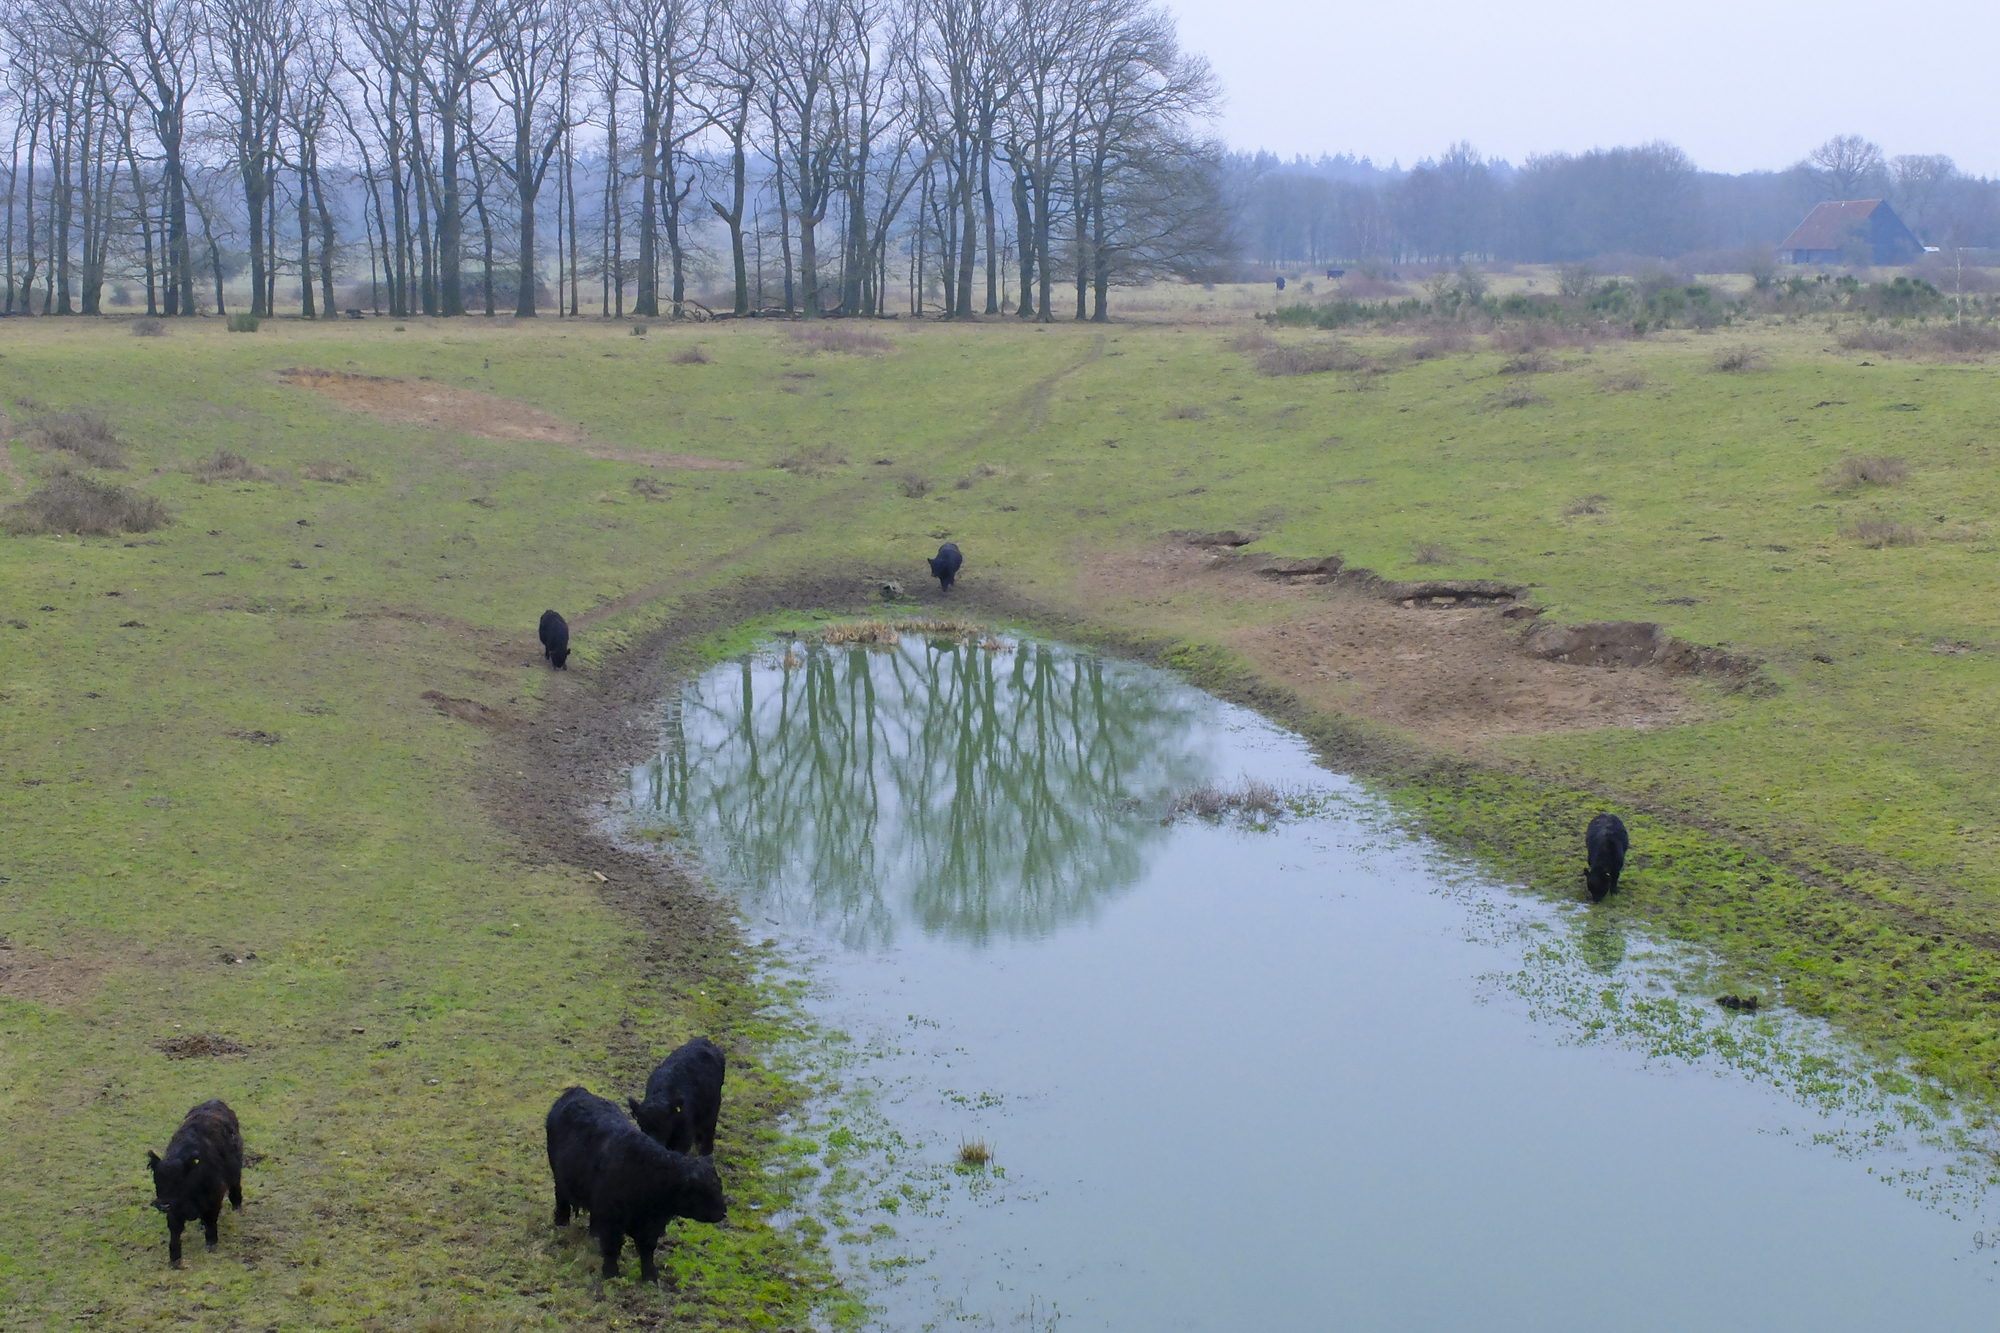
(1435, 347)
(1963, 339)
(1432, 553)
(1534, 334)
(690, 356)
(1521, 397)
(1253, 340)
(1310, 359)
(1625, 381)
(148, 327)
(994, 644)
(863, 633)
(79, 507)
(1873, 338)
(226, 465)
(1876, 534)
(1870, 472)
(993, 470)
(915, 485)
(83, 435)
(1188, 412)
(942, 628)
(637, 331)
(974, 1152)
(1251, 797)
(1532, 362)
(339, 474)
(847, 338)
(650, 487)
(1739, 360)
(1589, 504)
(812, 460)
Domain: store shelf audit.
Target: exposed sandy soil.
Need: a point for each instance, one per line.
(27, 974)
(423, 403)
(1454, 676)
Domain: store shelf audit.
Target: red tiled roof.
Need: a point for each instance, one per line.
(1832, 224)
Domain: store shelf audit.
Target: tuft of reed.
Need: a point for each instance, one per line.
(915, 485)
(1739, 360)
(339, 474)
(1870, 472)
(1589, 504)
(226, 465)
(1876, 534)
(80, 507)
(690, 356)
(849, 339)
(1432, 553)
(811, 460)
(861, 633)
(84, 435)
(974, 1152)
(1251, 797)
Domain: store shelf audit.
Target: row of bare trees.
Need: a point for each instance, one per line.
(462, 153)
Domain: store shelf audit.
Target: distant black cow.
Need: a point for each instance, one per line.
(1281, 284)
(683, 1098)
(1605, 844)
(204, 1161)
(1336, 273)
(629, 1185)
(944, 565)
(555, 639)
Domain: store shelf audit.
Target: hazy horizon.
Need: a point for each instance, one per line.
(1739, 89)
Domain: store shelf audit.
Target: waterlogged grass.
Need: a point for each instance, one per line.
(1834, 836)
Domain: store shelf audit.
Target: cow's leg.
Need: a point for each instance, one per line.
(209, 1217)
(647, 1244)
(562, 1210)
(174, 1225)
(236, 1191)
(611, 1242)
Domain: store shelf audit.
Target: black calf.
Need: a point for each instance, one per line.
(683, 1099)
(204, 1161)
(555, 639)
(1605, 844)
(629, 1185)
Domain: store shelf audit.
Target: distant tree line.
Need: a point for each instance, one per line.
(441, 156)
(1649, 202)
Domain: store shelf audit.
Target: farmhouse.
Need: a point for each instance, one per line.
(1853, 231)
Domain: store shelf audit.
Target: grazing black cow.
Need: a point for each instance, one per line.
(1336, 273)
(555, 639)
(204, 1161)
(944, 565)
(629, 1185)
(1605, 844)
(683, 1098)
(1281, 284)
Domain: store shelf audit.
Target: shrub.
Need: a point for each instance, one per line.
(148, 327)
(248, 324)
(1432, 553)
(1871, 472)
(1738, 360)
(77, 506)
(1964, 339)
(226, 465)
(690, 356)
(338, 473)
(1873, 338)
(1876, 534)
(811, 460)
(1536, 362)
(848, 338)
(1432, 348)
(1313, 359)
(1253, 340)
(85, 436)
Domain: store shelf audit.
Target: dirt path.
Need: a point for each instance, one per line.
(424, 403)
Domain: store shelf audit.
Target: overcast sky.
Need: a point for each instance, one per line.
(1739, 86)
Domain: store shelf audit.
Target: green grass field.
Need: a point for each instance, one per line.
(424, 984)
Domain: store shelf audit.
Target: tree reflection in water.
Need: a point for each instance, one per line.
(934, 785)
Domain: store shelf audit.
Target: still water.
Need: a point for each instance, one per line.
(1286, 1069)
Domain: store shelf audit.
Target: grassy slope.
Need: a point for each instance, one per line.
(353, 860)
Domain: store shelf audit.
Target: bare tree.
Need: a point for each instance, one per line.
(534, 55)
(1844, 166)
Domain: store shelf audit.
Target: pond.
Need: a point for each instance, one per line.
(1247, 1055)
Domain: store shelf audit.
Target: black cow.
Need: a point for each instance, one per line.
(204, 1161)
(1605, 844)
(683, 1098)
(1281, 284)
(944, 565)
(629, 1185)
(555, 639)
